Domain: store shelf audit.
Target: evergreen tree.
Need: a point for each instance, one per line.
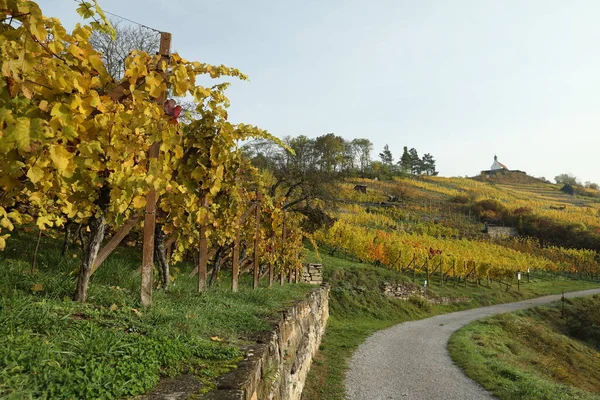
(428, 165)
(405, 162)
(386, 156)
(415, 162)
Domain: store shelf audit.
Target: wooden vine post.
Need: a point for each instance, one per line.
(235, 257)
(427, 274)
(150, 216)
(255, 272)
(235, 261)
(203, 253)
(453, 271)
(271, 275)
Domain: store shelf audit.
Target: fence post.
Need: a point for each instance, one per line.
(256, 240)
(203, 254)
(150, 216)
(235, 261)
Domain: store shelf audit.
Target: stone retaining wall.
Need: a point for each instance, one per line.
(402, 292)
(498, 232)
(312, 273)
(276, 367)
(405, 292)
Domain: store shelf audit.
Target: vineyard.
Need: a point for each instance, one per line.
(427, 228)
(84, 152)
(144, 235)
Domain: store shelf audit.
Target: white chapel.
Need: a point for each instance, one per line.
(498, 165)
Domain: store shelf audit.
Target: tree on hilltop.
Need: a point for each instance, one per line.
(566, 179)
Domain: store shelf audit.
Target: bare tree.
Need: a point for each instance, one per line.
(128, 38)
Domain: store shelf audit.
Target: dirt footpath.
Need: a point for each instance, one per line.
(411, 360)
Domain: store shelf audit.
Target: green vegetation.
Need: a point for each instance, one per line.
(540, 353)
(52, 347)
(447, 209)
(358, 308)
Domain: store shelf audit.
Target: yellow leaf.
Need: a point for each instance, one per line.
(5, 223)
(137, 312)
(38, 287)
(35, 174)
(20, 133)
(139, 202)
(155, 85)
(62, 113)
(216, 339)
(42, 221)
(216, 187)
(60, 156)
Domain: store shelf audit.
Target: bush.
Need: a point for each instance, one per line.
(568, 189)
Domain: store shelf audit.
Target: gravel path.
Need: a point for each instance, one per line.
(411, 361)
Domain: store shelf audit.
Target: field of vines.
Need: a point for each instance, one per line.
(543, 199)
(411, 225)
(98, 157)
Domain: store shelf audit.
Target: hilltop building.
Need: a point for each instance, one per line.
(499, 168)
(498, 165)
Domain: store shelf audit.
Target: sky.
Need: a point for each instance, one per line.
(463, 80)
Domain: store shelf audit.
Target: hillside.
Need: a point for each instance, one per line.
(545, 352)
(504, 176)
(430, 229)
(435, 225)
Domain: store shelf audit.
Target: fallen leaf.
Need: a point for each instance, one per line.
(38, 287)
(216, 339)
(137, 312)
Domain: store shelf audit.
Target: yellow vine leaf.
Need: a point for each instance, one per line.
(35, 174)
(60, 157)
(44, 221)
(139, 202)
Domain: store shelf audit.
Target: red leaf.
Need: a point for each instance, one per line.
(176, 111)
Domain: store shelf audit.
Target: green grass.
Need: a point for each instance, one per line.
(536, 353)
(52, 347)
(358, 309)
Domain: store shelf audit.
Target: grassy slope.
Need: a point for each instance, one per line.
(535, 354)
(358, 309)
(52, 347)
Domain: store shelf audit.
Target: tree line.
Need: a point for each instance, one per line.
(331, 154)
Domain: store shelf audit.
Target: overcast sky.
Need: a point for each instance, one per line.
(461, 79)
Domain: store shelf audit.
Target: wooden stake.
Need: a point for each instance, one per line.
(35, 252)
(203, 255)
(115, 240)
(256, 241)
(427, 273)
(235, 262)
(150, 217)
